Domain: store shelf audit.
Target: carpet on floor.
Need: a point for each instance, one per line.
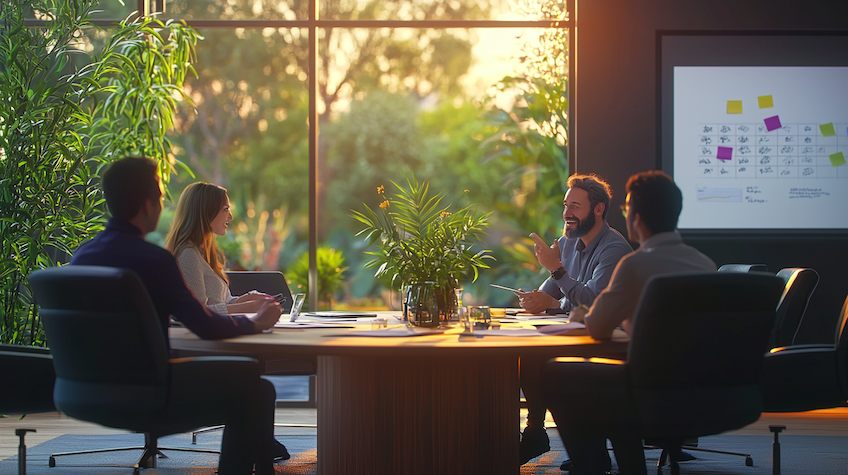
(801, 455)
(302, 449)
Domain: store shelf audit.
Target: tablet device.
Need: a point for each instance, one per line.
(515, 291)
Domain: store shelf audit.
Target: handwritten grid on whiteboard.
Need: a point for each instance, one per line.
(791, 151)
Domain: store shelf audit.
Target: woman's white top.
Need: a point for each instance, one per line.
(204, 283)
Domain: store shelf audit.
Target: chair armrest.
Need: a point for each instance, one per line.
(202, 360)
(802, 348)
(801, 378)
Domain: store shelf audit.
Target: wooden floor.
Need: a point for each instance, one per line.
(832, 422)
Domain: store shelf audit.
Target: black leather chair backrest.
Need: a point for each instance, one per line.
(27, 377)
(108, 312)
(269, 282)
(702, 330)
(743, 268)
(800, 284)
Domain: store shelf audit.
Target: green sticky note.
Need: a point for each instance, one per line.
(765, 101)
(734, 107)
(837, 159)
(827, 129)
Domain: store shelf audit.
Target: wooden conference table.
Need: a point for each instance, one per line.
(435, 404)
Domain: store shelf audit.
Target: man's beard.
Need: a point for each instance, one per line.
(583, 227)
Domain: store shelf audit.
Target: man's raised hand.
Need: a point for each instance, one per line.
(548, 256)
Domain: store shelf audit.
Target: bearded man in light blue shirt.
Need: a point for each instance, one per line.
(581, 264)
(582, 260)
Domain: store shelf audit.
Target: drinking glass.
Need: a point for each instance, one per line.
(479, 316)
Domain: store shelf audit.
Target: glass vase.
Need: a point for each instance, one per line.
(422, 309)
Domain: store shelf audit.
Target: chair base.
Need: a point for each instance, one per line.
(148, 456)
(214, 428)
(664, 455)
(671, 455)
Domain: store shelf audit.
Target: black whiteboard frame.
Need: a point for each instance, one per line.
(764, 55)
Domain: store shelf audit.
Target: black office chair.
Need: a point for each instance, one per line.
(802, 378)
(806, 377)
(27, 376)
(693, 363)
(800, 284)
(112, 364)
(743, 268)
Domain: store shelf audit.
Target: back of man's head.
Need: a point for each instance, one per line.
(657, 200)
(128, 183)
(599, 190)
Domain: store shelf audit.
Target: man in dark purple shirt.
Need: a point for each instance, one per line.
(133, 194)
(122, 245)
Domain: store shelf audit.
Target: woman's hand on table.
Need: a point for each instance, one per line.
(267, 315)
(249, 305)
(536, 301)
(253, 295)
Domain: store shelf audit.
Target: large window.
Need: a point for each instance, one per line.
(303, 108)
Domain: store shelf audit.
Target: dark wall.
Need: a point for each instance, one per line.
(615, 118)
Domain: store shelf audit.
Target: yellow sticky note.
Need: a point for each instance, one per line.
(827, 129)
(837, 159)
(765, 101)
(734, 107)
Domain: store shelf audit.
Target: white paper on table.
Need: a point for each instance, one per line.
(393, 333)
(505, 332)
(309, 325)
(518, 319)
(572, 328)
(318, 321)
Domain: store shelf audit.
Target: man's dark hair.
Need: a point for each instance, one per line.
(657, 199)
(599, 190)
(128, 183)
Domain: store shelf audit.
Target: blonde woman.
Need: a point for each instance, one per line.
(203, 212)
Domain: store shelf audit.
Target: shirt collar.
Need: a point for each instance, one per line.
(661, 239)
(122, 225)
(581, 247)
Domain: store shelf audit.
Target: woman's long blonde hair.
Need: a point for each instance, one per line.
(198, 206)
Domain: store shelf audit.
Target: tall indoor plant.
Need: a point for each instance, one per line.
(63, 114)
(417, 239)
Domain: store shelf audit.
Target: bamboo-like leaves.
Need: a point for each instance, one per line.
(61, 119)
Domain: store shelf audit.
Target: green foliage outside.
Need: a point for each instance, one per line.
(330, 274)
(391, 100)
(66, 109)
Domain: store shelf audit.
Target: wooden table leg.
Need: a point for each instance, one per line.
(417, 415)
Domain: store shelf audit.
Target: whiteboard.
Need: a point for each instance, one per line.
(775, 160)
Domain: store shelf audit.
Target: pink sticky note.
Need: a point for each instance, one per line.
(772, 123)
(724, 153)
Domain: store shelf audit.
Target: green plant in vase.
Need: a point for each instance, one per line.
(416, 239)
